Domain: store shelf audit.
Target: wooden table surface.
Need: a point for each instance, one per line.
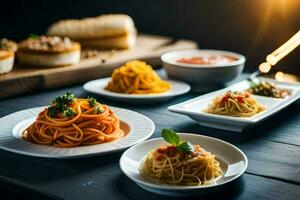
(273, 150)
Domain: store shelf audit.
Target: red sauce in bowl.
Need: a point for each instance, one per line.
(207, 59)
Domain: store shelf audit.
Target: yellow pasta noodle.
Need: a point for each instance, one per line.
(136, 77)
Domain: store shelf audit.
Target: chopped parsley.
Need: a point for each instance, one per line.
(69, 112)
(53, 111)
(62, 105)
(94, 104)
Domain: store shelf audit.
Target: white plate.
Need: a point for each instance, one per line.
(139, 126)
(98, 87)
(232, 161)
(194, 107)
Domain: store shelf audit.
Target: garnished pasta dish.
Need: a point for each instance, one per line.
(136, 77)
(181, 163)
(70, 122)
(236, 104)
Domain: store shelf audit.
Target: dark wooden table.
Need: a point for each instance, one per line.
(273, 149)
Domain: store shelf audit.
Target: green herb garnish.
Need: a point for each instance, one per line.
(99, 110)
(186, 147)
(172, 138)
(53, 111)
(93, 104)
(253, 84)
(68, 112)
(68, 98)
(62, 105)
(33, 36)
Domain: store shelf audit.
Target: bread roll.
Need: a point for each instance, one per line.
(48, 51)
(49, 60)
(119, 42)
(105, 31)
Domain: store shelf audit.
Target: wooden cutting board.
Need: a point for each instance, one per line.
(23, 79)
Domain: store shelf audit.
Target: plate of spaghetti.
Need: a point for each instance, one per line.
(182, 164)
(73, 127)
(235, 104)
(136, 81)
(238, 107)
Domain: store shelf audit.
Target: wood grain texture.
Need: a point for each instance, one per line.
(272, 148)
(273, 159)
(100, 178)
(24, 79)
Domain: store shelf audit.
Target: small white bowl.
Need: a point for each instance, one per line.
(232, 161)
(202, 76)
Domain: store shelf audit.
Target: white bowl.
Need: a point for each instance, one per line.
(232, 161)
(202, 76)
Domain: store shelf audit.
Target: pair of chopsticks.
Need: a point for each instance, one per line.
(277, 55)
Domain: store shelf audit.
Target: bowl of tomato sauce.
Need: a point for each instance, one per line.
(203, 69)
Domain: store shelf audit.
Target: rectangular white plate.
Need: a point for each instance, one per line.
(194, 107)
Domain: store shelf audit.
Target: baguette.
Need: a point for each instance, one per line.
(118, 42)
(96, 27)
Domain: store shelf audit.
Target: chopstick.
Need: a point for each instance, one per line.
(280, 53)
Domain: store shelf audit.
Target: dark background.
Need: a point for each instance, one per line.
(251, 27)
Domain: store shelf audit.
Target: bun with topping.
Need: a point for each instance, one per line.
(48, 51)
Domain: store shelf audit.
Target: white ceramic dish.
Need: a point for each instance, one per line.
(139, 128)
(98, 87)
(232, 161)
(194, 107)
(202, 76)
